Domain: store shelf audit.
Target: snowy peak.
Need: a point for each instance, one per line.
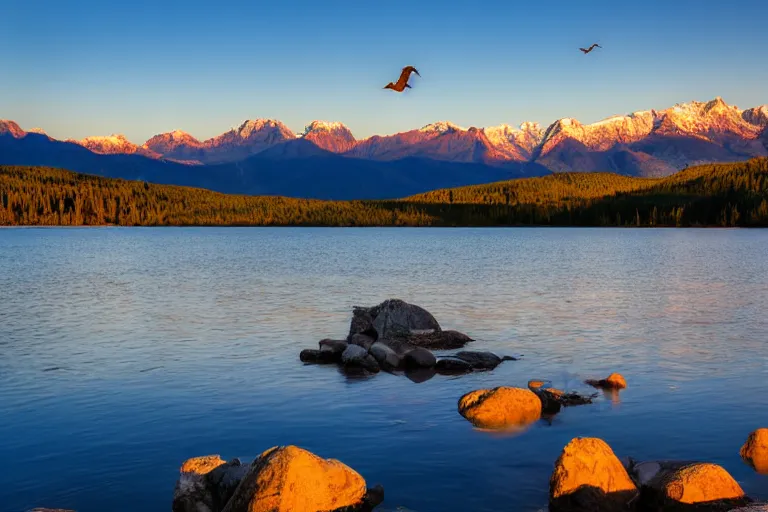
(757, 116)
(11, 128)
(331, 136)
(254, 128)
(519, 143)
(441, 128)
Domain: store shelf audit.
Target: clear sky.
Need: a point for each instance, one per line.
(142, 67)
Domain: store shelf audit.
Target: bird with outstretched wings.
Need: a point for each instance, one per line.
(402, 82)
(587, 50)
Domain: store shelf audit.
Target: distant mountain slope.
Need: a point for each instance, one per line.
(713, 195)
(297, 168)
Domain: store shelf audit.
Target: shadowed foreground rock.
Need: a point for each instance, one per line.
(49, 510)
(755, 450)
(500, 408)
(588, 477)
(290, 479)
(693, 487)
(206, 484)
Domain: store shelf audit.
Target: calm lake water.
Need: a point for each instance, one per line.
(125, 351)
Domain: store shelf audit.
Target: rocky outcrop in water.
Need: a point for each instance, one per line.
(553, 399)
(396, 336)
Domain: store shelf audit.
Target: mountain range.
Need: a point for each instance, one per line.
(264, 156)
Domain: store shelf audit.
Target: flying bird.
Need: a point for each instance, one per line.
(587, 50)
(402, 82)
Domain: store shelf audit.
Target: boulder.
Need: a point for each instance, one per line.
(613, 381)
(588, 477)
(755, 450)
(357, 356)
(291, 479)
(392, 318)
(333, 347)
(500, 407)
(452, 366)
(192, 493)
(395, 317)
(480, 360)
(419, 358)
(387, 358)
(310, 355)
(697, 486)
(362, 340)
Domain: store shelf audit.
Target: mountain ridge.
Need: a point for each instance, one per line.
(564, 145)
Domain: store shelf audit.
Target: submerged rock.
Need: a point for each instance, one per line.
(755, 450)
(480, 360)
(500, 407)
(420, 358)
(588, 477)
(310, 355)
(452, 366)
(613, 381)
(291, 479)
(417, 375)
(697, 486)
(553, 399)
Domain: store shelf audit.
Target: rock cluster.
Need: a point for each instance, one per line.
(282, 479)
(396, 336)
(588, 477)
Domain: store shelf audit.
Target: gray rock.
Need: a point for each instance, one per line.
(420, 358)
(480, 360)
(452, 366)
(370, 364)
(354, 355)
(310, 355)
(223, 481)
(395, 317)
(387, 358)
(362, 340)
(333, 347)
(439, 340)
(362, 322)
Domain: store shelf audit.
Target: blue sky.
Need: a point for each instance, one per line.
(140, 68)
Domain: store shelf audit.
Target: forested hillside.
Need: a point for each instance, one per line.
(712, 195)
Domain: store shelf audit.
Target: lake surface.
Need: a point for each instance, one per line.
(125, 351)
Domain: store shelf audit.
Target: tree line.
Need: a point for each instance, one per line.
(733, 194)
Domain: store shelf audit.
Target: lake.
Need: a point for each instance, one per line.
(125, 351)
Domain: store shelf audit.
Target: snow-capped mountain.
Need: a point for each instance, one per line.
(650, 142)
(115, 144)
(334, 136)
(11, 128)
(251, 137)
